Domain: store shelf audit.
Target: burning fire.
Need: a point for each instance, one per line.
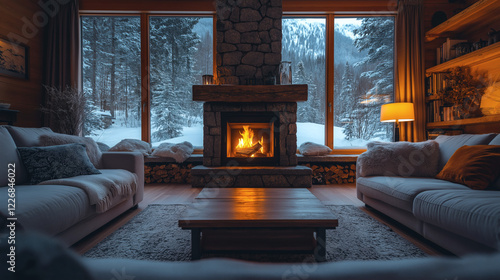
(246, 140)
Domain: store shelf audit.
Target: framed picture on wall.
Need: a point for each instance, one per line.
(13, 59)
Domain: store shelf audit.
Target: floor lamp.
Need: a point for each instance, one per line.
(397, 112)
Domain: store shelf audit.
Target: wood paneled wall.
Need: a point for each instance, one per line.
(24, 95)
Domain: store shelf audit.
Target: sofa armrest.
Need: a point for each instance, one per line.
(130, 161)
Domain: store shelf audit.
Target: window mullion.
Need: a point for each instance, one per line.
(330, 65)
(145, 78)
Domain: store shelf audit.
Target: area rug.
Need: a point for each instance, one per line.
(154, 235)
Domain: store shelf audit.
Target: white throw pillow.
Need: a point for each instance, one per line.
(404, 159)
(132, 145)
(313, 149)
(180, 151)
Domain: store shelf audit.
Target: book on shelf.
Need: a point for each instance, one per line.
(435, 83)
(446, 51)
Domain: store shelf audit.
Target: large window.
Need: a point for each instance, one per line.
(304, 44)
(111, 51)
(364, 71)
(181, 51)
(363, 64)
(349, 77)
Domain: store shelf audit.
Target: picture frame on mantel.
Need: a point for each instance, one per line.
(13, 59)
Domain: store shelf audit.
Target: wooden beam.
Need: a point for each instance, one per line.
(145, 79)
(147, 5)
(339, 6)
(273, 93)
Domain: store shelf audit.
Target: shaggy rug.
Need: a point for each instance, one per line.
(154, 235)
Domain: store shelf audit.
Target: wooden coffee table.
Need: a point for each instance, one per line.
(258, 219)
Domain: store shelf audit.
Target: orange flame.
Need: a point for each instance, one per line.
(246, 140)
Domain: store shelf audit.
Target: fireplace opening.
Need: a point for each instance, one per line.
(250, 138)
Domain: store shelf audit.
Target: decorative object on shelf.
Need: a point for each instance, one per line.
(286, 73)
(464, 91)
(493, 37)
(462, 48)
(397, 112)
(438, 18)
(480, 44)
(490, 102)
(14, 58)
(208, 79)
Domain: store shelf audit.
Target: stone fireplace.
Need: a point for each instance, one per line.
(248, 40)
(250, 136)
(250, 130)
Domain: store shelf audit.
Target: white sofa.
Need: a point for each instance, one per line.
(451, 215)
(57, 210)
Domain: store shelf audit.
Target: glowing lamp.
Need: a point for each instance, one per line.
(397, 112)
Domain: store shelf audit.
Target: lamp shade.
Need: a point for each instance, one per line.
(397, 112)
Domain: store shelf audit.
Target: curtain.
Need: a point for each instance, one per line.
(409, 78)
(62, 55)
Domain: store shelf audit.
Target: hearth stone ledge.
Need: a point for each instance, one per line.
(248, 177)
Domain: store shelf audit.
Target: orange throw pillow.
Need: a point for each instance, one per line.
(474, 166)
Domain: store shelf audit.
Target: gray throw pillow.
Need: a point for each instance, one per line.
(91, 147)
(56, 162)
(404, 159)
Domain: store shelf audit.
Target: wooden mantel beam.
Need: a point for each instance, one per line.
(271, 93)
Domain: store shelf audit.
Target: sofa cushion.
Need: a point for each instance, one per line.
(400, 192)
(469, 213)
(10, 156)
(449, 144)
(49, 209)
(27, 136)
(399, 159)
(93, 151)
(495, 141)
(474, 166)
(55, 162)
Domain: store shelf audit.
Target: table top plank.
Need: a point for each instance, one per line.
(257, 212)
(268, 193)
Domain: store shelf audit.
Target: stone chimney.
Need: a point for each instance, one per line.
(248, 40)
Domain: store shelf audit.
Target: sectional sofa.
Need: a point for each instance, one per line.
(65, 211)
(453, 216)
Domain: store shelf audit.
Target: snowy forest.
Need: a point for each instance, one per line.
(181, 51)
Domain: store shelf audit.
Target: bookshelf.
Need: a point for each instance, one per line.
(477, 18)
(462, 122)
(481, 12)
(474, 58)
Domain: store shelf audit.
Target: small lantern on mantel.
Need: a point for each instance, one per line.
(208, 79)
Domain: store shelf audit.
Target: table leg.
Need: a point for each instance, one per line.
(320, 252)
(195, 244)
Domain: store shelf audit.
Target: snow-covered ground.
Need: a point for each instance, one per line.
(306, 132)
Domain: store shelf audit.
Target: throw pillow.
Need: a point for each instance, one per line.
(56, 162)
(132, 145)
(180, 152)
(474, 166)
(54, 139)
(404, 159)
(313, 149)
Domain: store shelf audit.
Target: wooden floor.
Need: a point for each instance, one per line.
(185, 194)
